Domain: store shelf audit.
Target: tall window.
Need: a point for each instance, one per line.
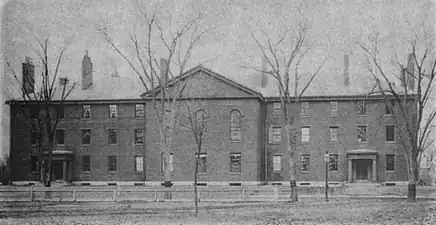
(304, 108)
(277, 163)
(235, 162)
(361, 133)
(275, 135)
(33, 164)
(60, 137)
(139, 110)
(361, 108)
(86, 111)
(390, 162)
(171, 163)
(112, 163)
(235, 125)
(202, 162)
(389, 106)
(33, 138)
(305, 134)
(86, 163)
(139, 164)
(333, 109)
(333, 165)
(334, 134)
(277, 108)
(139, 136)
(86, 136)
(112, 136)
(60, 112)
(390, 133)
(305, 163)
(113, 113)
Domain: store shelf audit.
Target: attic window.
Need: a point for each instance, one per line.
(86, 111)
(113, 111)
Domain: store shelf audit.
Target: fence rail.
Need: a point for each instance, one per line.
(242, 193)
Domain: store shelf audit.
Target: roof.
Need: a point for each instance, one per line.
(209, 72)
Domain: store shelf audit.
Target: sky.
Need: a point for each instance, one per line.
(336, 26)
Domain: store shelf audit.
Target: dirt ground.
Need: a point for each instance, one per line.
(313, 211)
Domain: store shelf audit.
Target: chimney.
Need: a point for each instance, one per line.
(28, 76)
(346, 70)
(164, 66)
(264, 76)
(86, 71)
(410, 72)
(63, 81)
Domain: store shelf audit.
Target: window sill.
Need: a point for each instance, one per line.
(305, 116)
(139, 144)
(85, 118)
(305, 171)
(201, 173)
(235, 141)
(390, 142)
(274, 143)
(390, 171)
(362, 142)
(333, 171)
(112, 172)
(86, 145)
(235, 173)
(86, 172)
(63, 145)
(113, 144)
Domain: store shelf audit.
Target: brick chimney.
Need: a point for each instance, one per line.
(264, 76)
(28, 76)
(164, 66)
(410, 72)
(86, 71)
(346, 70)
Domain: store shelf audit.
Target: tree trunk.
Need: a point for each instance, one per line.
(291, 164)
(49, 166)
(195, 185)
(411, 189)
(167, 173)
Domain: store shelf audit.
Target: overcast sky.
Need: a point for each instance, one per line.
(335, 27)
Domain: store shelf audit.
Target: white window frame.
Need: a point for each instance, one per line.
(277, 163)
(305, 137)
(333, 106)
(331, 128)
(303, 157)
(139, 164)
(366, 134)
(135, 137)
(304, 108)
(237, 155)
(113, 111)
(139, 110)
(86, 108)
(277, 108)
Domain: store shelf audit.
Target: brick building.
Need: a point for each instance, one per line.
(108, 134)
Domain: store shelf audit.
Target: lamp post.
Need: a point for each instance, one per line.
(326, 160)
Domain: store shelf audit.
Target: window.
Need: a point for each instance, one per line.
(333, 109)
(305, 163)
(86, 136)
(275, 135)
(139, 164)
(390, 162)
(112, 163)
(390, 133)
(277, 163)
(171, 163)
(277, 108)
(235, 162)
(60, 112)
(60, 137)
(33, 164)
(112, 136)
(333, 165)
(305, 134)
(334, 134)
(389, 106)
(361, 108)
(33, 138)
(86, 163)
(139, 136)
(235, 125)
(202, 162)
(86, 113)
(139, 110)
(361, 134)
(305, 109)
(113, 111)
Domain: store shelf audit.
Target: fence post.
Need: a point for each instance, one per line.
(276, 192)
(31, 193)
(114, 197)
(74, 195)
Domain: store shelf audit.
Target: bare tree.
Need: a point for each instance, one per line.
(41, 103)
(195, 112)
(283, 67)
(158, 48)
(408, 103)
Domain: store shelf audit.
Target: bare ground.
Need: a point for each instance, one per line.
(307, 211)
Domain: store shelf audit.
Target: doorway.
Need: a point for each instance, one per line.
(57, 170)
(363, 169)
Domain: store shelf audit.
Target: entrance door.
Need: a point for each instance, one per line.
(362, 167)
(57, 170)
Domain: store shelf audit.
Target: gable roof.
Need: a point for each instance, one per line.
(213, 74)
